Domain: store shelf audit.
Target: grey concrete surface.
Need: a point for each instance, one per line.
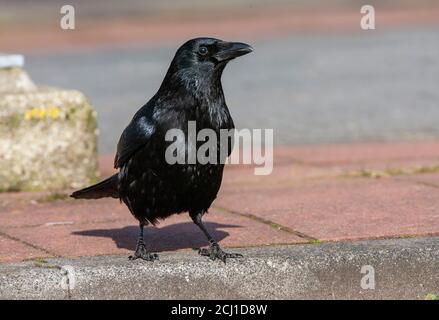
(403, 269)
(379, 86)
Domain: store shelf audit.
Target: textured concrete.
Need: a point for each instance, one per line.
(403, 269)
(47, 139)
(14, 79)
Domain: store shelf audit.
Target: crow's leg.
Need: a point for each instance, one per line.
(214, 251)
(141, 251)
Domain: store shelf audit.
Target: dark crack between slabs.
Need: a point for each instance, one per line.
(61, 224)
(428, 184)
(28, 244)
(271, 224)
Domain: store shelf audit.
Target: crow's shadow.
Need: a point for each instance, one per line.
(173, 237)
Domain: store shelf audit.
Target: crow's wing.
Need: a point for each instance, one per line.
(136, 135)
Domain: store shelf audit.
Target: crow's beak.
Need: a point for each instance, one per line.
(232, 50)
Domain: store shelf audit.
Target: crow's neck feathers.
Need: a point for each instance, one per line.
(200, 85)
(201, 82)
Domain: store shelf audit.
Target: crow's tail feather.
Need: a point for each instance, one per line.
(106, 188)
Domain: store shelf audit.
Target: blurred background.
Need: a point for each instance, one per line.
(315, 76)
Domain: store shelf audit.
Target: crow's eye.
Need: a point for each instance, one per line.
(202, 50)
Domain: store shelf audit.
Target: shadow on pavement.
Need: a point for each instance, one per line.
(173, 237)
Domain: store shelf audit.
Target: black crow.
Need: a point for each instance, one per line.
(147, 183)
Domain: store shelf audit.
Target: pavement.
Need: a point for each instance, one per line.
(315, 194)
(335, 194)
(394, 269)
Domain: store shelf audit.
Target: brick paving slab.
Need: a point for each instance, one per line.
(428, 179)
(83, 235)
(334, 154)
(62, 212)
(243, 178)
(344, 209)
(390, 167)
(12, 251)
(10, 201)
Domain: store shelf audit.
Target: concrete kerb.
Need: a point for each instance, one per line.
(372, 269)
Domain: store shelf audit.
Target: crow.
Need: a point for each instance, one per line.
(147, 183)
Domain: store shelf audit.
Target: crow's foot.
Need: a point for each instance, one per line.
(142, 253)
(215, 252)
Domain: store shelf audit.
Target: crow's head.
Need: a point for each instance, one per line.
(205, 58)
(209, 52)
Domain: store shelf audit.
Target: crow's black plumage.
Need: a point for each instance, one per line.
(152, 188)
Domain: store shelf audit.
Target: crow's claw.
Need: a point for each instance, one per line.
(142, 253)
(215, 252)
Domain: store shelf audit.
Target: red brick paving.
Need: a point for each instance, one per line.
(428, 179)
(13, 251)
(344, 209)
(119, 236)
(308, 195)
(384, 153)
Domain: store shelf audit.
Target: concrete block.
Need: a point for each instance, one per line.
(47, 136)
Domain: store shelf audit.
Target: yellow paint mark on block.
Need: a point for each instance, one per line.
(52, 112)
